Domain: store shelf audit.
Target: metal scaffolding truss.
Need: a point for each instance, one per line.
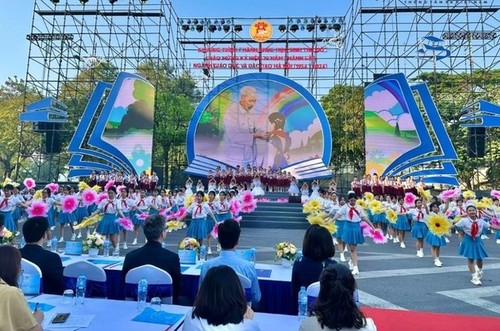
(68, 39)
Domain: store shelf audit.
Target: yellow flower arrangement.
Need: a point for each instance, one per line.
(285, 250)
(391, 216)
(93, 240)
(6, 237)
(368, 196)
(469, 195)
(189, 244)
(438, 225)
(361, 203)
(175, 225)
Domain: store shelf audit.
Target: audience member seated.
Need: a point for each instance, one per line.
(35, 232)
(220, 304)
(229, 235)
(318, 251)
(153, 253)
(335, 308)
(14, 312)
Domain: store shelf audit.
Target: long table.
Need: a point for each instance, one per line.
(274, 281)
(118, 315)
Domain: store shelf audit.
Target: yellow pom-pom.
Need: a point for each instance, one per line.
(392, 216)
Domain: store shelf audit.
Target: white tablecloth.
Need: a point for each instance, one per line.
(118, 315)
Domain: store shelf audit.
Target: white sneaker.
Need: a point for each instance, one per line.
(479, 273)
(420, 253)
(446, 240)
(335, 242)
(351, 266)
(79, 236)
(498, 241)
(209, 251)
(395, 240)
(390, 237)
(483, 236)
(17, 233)
(402, 245)
(342, 257)
(475, 280)
(438, 263)
(61, 240)
(73, 237)
(345, 249)
(125, 246)
(355, 270)
(134, 242)
(52, 228)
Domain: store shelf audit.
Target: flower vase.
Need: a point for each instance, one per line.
(93, 252)
(286, 263)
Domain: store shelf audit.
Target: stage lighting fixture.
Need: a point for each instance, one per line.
(282, 28)
(302, 27)
(83, 2)
(336, 26)
(212, 28)
(298, 20)
(207, 72)
(195, 21)
(55, 2)
(222, 21)
(294, 27)
(322, 27)
(189, 22)
(310, 27)
(219, 28)
(238, 28)
(143, 2)
(112, 1)
(199, 28)
(216, 22)
(185, 27)
(226, 28)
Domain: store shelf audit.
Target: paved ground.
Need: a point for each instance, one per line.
(392, 277)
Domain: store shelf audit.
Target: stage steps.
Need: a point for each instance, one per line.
(273, 215)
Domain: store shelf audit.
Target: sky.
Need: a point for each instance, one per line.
(16, 17)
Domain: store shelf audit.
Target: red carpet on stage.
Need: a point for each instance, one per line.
(390, 319)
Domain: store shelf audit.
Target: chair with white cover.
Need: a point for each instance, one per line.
(160, 283)
(30, 281)
(312, 293)
(247, 287)
(96, 278)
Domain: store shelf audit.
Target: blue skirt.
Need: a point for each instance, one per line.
(435, 240)
(379, 218)
(352, 233)
(50, 217)
(472, 249)
(135, 220)
(419, 230)
(369, 215)
(92, 208)
(9, 221)
(340, 228)
(198, 228)
(153, 211)
(210, 225)
(497, 234)
(16, 213)
(108, 225)
(402, 223)
(81, 213)
(66, 218)
(222, 217)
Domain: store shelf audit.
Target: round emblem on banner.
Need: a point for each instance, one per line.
(261, 31)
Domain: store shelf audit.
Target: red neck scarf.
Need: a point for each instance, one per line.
(420, 215)
(5, 203)
(141, 201)
(124, 203)
(196, 211)
(110, 203)
(403, 210)
(352, 211)
(474, 229)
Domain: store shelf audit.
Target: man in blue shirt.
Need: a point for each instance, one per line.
(229, 235)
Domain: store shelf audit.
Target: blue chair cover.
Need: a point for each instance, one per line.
(248, 294)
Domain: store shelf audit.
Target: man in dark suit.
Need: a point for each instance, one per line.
(35, 230)
(153, 253)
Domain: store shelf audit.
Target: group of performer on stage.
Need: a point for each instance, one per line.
(471, 218)
(143, 181)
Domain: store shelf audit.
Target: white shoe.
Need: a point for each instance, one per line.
(335, 242)
(498, 241)
(446, 240)
(79, 236)
(73, 237)
(475, 280)
(395, 240)
(61, 240)
(209, 251)
(420, 253)
(355, 270)
(390, 237)
(17, 233)
(351, 266)
(345, 249)
(402, 245)
(52, 228)
(134, 242)
(342, 257)
(483, 236)
(479, 273)
(438, 263)
(125, 246)
(75, 223)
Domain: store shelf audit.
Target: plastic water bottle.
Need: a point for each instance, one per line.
(203, 253)
(298, 257)
(302, 303)
(81, 286)
(105, 251)
(253, 254)
(53, 244)
(22, 242)
(142, 294)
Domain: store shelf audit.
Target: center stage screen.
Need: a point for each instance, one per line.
(259, 119)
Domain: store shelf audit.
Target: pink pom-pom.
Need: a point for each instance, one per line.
(89, 196)
(54, 187)
(109, 184)
(494, 221)
(69, 204)
(378, 236)
(450, 213)
(365, 228)
(247, 197)
(215, 231)
(125, 223)
(448, 194)
(235, 207)
(495, 194)
(37, 209)
(248, 208)
(142, 216)
(182, 211)
(120, 188)
(237, 219)
(101, 197)
(410, 199)
(29, 183)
